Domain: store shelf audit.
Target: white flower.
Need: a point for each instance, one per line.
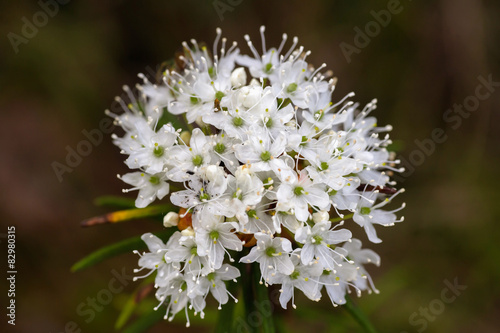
(150, 187)
(214, 237)
(263, 153)
(302, 277)
(245, 190)
(154, 260)
(185, 250)
(317, 244)
(298, 192)
(263, 157)
(171, 219)
(202, 195)
(186, 159)
(368, 213)
(361, 257)
(238, 77)
(152, 154)
(265, 65)
(214, 282)
(272, 254)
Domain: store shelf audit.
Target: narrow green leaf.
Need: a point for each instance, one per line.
(126, 312)
(358, 315)
(124, 246)
(114, 201)
(133, 301)
(145, 322)
(128, 214)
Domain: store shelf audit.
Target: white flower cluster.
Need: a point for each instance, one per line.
(266, 164)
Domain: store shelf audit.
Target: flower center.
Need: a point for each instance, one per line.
(214, 234)
(265, 156)
(197, 160)
(219, 95)
(194, 100)
(237, 121)
(220, 148)
(270, 251)
(211, 276)
(365, 210)
(332, 192)
(323, 166)
(319, 115)
(154, 180)
(299, 190)
(269, 122)
(268, 68)
(194, 251)
(317, 239)
(204, 196)
(291, 88)
(158, 151)
(253, 214)
(294, 275)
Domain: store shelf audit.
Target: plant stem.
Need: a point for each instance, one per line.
(262, 298)
(226, 314)
(358, 315)
(338, 219)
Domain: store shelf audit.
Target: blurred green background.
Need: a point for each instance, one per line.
(425, 60)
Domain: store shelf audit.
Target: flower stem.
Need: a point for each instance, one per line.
(358, 315)
(226, 314)
(262, 299)
(338, 219)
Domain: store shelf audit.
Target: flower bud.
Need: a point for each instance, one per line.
(171, 220)
(249, 95)
(238, 77)
(320, 216)
(186, 137)
(187, 232)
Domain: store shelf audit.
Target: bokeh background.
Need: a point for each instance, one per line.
(428, 58)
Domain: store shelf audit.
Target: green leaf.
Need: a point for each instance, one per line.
(134, 299)
(114, 201)
(124, 246)
(126, 312)
(128, 214)
(358, 315)
(145, 322)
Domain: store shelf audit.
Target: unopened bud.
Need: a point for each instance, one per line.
(238, 77)
(186, 137)
(187, 232)
(320, 216)
(171, 220)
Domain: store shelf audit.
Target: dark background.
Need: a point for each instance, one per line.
(427, 59)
